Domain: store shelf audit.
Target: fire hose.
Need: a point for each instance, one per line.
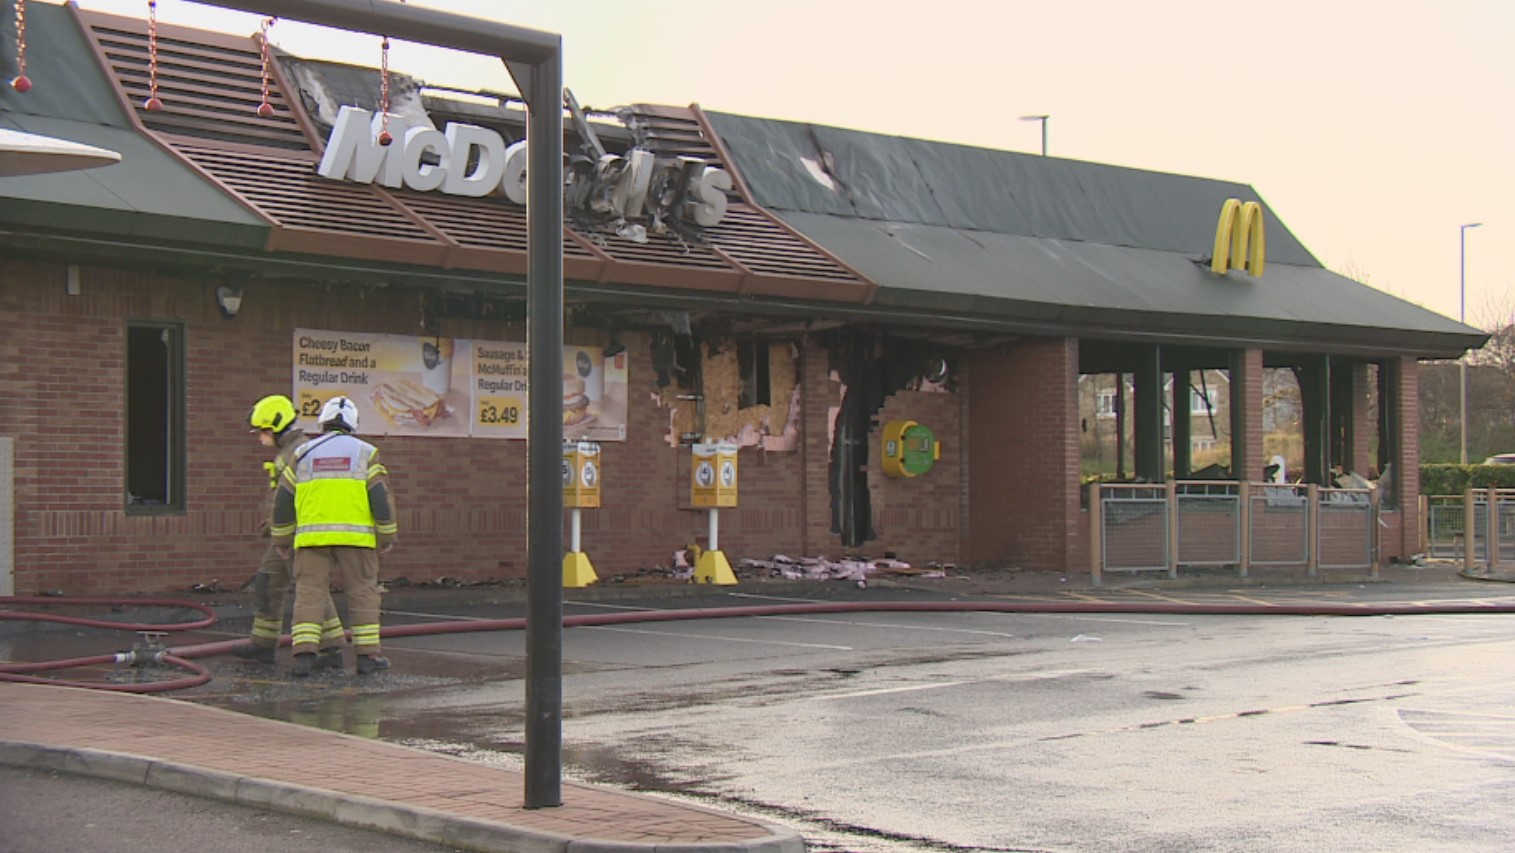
(151, 653)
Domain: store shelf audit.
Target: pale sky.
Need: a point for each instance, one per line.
(1373, 128)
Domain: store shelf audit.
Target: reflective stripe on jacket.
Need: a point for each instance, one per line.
(331, 493)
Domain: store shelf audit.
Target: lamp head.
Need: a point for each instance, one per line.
(229, 299)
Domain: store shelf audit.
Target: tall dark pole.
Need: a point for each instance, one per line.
(535, 60)
(542, 87)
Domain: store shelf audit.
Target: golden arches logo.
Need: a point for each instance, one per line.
(1240, 240)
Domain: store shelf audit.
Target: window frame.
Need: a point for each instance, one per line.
(176, 418)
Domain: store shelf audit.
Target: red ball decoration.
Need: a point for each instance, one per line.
(22, 84)
(265, 110)
(152, 105)
(385, 137)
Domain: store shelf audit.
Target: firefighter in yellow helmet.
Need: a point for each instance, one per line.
(273, 419)
(333, 506)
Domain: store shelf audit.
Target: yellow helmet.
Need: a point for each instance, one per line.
(274, 412)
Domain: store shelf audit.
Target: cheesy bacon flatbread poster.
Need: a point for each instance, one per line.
(436, 386)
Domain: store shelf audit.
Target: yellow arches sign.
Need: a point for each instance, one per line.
(1240, 241)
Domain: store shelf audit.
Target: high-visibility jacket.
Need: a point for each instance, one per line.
(289, 443)
(334, 494)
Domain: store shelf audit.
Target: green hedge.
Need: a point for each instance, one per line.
(1448, 479)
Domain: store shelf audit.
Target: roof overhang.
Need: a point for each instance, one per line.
(23, 153)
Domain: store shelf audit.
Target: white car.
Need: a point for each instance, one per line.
(1500, 459)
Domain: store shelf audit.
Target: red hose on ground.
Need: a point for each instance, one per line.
(180, 656)
(18, 671)
(198, 676)
(209, 620)
(1203, 609)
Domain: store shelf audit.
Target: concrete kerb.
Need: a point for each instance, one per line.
(348, 810)
(421, 824)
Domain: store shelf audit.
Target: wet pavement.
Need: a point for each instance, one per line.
(451, 794)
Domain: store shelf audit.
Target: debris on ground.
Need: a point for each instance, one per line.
(848, 568)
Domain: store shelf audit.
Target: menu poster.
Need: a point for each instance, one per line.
(594, 392)
(432, 386)
(401, 385)
(501, 386)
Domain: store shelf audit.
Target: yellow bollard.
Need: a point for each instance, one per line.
(577, 571)
(713, 568)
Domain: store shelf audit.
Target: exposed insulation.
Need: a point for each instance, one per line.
(719, 416)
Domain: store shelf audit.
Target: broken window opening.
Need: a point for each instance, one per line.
(752, 365)
(155, 454)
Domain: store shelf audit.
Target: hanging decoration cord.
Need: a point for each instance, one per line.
(384, 135)
(22, 83)
(152, 104)
(266, 109)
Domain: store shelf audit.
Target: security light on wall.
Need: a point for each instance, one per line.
(230, 300)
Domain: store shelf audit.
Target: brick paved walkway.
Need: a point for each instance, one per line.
(191, 748)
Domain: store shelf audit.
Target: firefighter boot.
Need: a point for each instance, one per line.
(304, 665)
(254, 653)
(368, 664)
(328, 659)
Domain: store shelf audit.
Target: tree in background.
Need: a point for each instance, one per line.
(1491, 394)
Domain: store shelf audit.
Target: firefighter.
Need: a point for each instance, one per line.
(333, 508)
(273, 419)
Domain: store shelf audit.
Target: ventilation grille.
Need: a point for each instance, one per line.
(288, 191)
(479, 223)
(672, 132)
(210, 87)
(666, 251)
(769, 249)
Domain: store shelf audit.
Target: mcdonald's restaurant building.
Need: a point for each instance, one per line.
(893, 333)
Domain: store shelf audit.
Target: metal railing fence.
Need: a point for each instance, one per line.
(1487, 542)
(1149, 527)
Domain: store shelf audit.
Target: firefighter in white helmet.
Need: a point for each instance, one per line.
(333, 507)
(273, 419)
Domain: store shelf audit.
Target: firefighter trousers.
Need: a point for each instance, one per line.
(271, 591)
(357, 569)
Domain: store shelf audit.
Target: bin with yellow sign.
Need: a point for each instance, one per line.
(581, 489)
(712, 485)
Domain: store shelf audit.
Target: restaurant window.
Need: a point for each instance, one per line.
(155, 448)
(752, 364)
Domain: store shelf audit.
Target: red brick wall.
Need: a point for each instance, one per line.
(1247, 393)
(819, 397)
(1024, 474)
(920, 518)
(1362, 422)
(1004, 492)
(1406, 373)
(461, 502)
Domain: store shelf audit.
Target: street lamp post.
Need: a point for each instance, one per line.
(1043, 120)
(1462, 317)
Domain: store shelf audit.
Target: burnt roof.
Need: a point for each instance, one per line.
(822, 222)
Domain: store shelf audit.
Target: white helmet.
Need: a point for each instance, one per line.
(339, 413)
